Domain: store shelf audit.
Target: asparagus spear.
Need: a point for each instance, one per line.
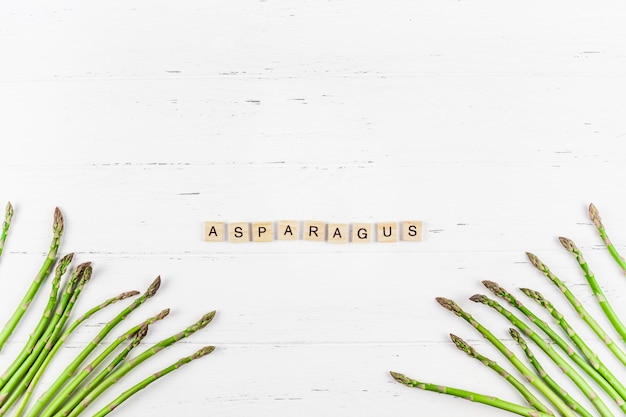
(143, 384)
(136, 332)
(567, 369)
(38, 407)
(582, 312)
(468, 395)
(47, 358)
(594, 215)
(523, 369)
(8, 216)
(571, 402)
(595, 287)
(594, 368)
(131, 364)
(530, 398)
(57, 229)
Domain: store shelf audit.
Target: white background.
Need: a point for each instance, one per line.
(494, 122)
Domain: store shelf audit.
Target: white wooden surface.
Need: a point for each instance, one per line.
(494, 122)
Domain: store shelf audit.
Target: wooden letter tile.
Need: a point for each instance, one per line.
(387, 232)
(337, 233)
(361, 233)
(214, 232)
(262, 232)
(239, 232)
(314, 230)
(412, 230)
(288, 230)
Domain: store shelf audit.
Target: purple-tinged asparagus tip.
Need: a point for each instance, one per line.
(206, 319)
(517, 336)
(594, 215)
(154, 287)
(164, 313)
(479, 298)
(568, 244)
(400, 378)
(496, 289)
(127, 294)
(58, 223)
(87, 274)
(449, 305)
(463, 345)
(142, 332)
(536, 262)
(9, 212)
(202, 352)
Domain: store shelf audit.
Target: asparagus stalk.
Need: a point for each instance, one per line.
(530, 398)
(136, 332)
(47, 396)
(582, 312)
(75, 399)
(8, 216)
(594, 215)
(11, 324)
(594, 368)
(468, 395)
(43, 322)
(61, 315)
(68, 406)
(143, 384)
(567, 369)
(571, 402)
(523, 369)
(38, 370)
(131, 364)
(595, 287)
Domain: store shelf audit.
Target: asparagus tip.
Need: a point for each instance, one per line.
(9, 212)
(67, 258)
(594, 215)
(154, 287)
(496, 289)
(142, 332)
(517, 336)
(202, 352)
(163, 314)
(206, 319)
(400, 378)
(535, 295)
(479, 298)
(536, 261)
(449, 305)
(127, 294)
(463, 345)
(568, 244)
(58, 220)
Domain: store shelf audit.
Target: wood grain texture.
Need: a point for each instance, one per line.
(496, 123)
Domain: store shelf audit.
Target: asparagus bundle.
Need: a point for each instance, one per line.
(73, 391)
(580, 363)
